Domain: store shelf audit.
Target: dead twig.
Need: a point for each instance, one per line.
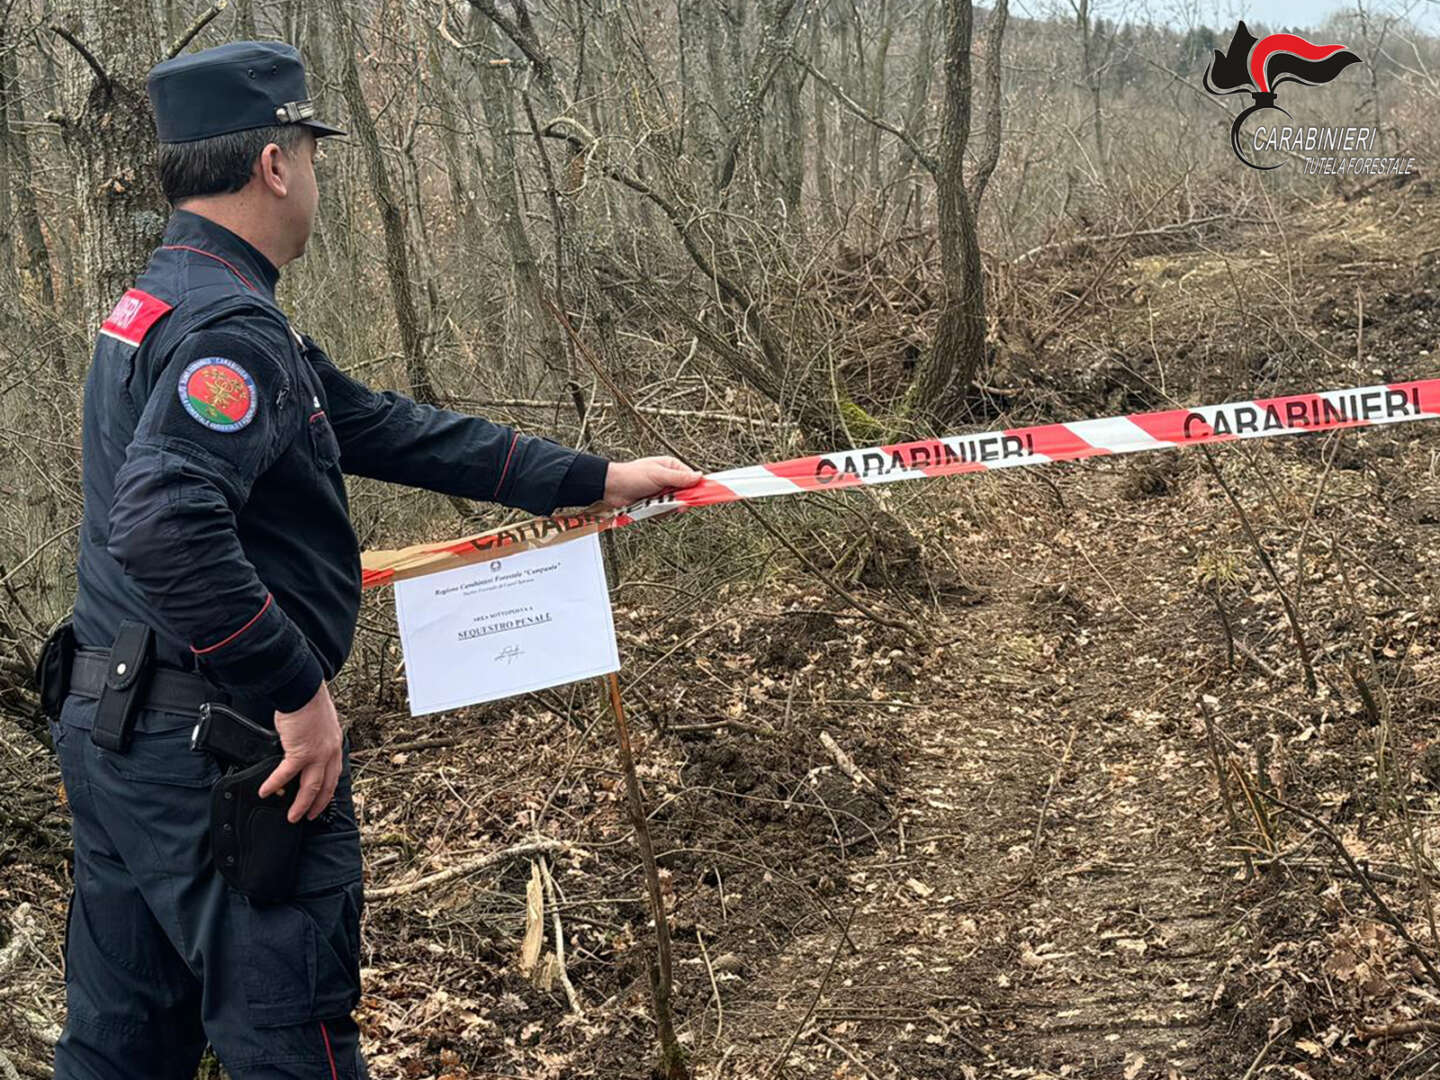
(1290, 613)
(550, 891)
(1363, 879)
(714, 987)
(784, 1055)
(468, 866)
(194, 28)
(1230, 815)
(1049, 791)
(844, 761)
(100, 73)
(1399, 1029)
(404, 747)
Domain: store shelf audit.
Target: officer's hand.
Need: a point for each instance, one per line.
(629, 481)
(314, 751)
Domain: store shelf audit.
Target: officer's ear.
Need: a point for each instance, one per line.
(277, 167)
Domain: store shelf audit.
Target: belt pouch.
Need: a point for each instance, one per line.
(126, 680)
(52, 669)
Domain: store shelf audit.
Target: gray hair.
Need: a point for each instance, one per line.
(220, 164)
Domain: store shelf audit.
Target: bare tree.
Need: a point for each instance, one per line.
(36, 276)
(392, 215)
(945, 374)
(109, 131)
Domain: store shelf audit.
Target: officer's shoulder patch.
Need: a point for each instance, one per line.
(218, 393)
(133, 316)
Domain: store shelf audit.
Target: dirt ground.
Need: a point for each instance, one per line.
(1054, 867)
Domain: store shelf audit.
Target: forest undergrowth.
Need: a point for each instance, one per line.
(1068, 811)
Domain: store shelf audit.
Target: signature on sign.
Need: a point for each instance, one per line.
(509, 654)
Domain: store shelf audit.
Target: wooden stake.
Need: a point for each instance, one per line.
(672, 1058)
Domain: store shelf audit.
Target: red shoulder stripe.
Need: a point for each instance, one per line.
(133, 316)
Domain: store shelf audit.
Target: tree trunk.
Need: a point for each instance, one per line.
(109, 132)
(1089, 70)
(994, 101)
(938, 393)
(715, 70)
(36, 277)
(877, 96)
(457, 168)
(502, 187)
(824, 180)
(8, 138)
(791, 156)
(392, 215)
(336, 239)
(915, 107)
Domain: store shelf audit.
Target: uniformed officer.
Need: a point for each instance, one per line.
(217, 563)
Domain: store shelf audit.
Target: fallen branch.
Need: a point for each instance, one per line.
(779, 1062)
(401, 747)
(844, 761)
(570, 994)
(1159, 230)
(468, 866)
(1397, 1030)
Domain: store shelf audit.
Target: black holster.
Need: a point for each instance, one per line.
(132, 658)
(256, 849)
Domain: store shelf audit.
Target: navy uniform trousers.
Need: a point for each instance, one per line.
(162, 955)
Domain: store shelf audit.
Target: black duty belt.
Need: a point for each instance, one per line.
(169, 688)
(126, 678)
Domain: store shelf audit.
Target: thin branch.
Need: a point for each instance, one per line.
(1291, 614)
(466, 866)
(550, 891)
(195, 27)
(1099, 238)
(1420, 952)
(652, 410)
(990, 151)
(926, 161)
(522, 35)
(100, 72)
(672, 1064)
(640, 422)
(779, 1062)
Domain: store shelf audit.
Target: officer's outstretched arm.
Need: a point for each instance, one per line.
(390, 437)
(220, 415)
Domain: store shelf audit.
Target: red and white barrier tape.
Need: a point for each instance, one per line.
(1299, 413)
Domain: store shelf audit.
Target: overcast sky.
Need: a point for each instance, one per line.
(1225, 13)
(1303, 13)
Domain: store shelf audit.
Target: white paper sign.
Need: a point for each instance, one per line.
(493, 629)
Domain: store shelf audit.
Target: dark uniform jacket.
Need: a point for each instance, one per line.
(214, 443)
